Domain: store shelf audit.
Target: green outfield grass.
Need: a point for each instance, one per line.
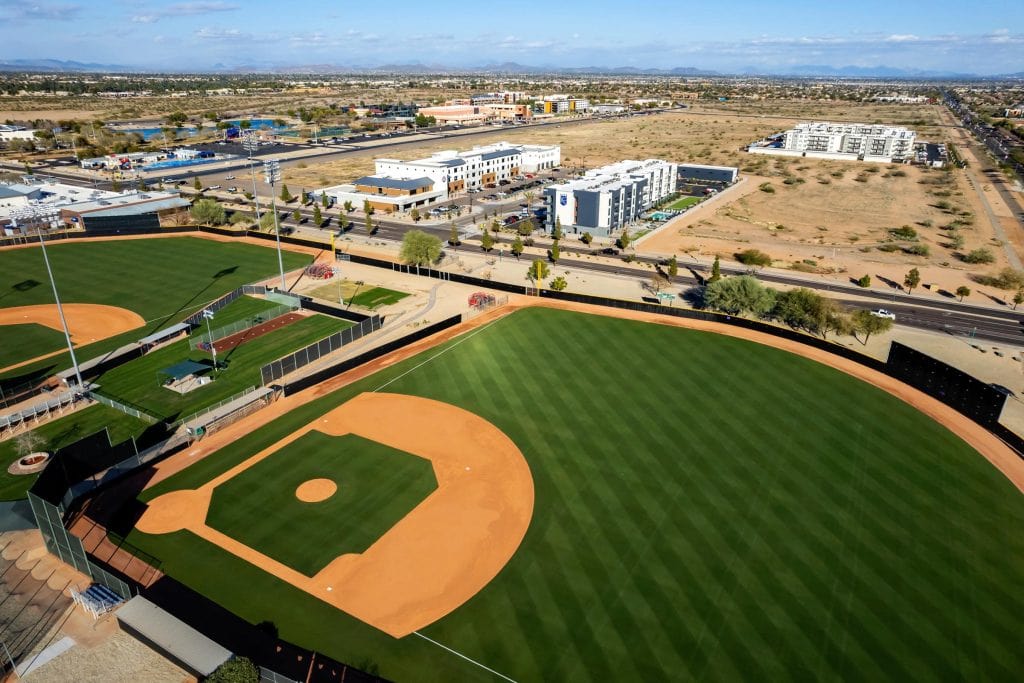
(376, 297)
(138, 382)
(705, 509)
(377, 486)
(163, 280)
(28, 338)
(684, 203)
(62, 432)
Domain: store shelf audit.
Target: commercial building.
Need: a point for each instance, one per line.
(17, 196)
(607, 199)
(1015, 112)
(851, 141)
(703, 173)
(127, 212)
(398, 185)
(9, 133)
(460, 114)
(562, 104)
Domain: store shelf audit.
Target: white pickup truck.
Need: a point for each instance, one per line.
(883, 313)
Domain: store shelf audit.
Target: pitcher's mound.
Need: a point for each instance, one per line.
(315, 490)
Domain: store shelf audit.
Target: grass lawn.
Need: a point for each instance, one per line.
(240, 309)
(27, 339)
(359, 295)
(709, 509)
(62, 432)
(377, 486)
(683, 203)
(137, 382)
(163, 280)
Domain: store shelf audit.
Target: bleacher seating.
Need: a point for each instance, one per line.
(97, 599)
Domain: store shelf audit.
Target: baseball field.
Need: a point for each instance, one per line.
(661, 503)
(115, 292)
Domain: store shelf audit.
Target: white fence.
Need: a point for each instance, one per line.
(41, 411)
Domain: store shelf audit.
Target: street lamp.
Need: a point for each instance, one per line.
(250, 144)
(39, 217)
(272, 173)
(208, 315)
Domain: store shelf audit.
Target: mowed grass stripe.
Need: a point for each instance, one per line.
(784, 511)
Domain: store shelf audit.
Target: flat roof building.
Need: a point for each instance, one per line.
(852, 141)
(609, 198)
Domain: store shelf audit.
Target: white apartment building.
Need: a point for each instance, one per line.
(608, 198)
(398, 185)
(854, 141)
(483, 165)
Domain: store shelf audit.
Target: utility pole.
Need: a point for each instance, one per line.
(208, 315)
(272, 173)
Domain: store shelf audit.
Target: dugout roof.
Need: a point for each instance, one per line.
(169, 634)
(184, 369)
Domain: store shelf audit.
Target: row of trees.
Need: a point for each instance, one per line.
(801, 308)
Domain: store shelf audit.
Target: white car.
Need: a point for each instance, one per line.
(882, 313)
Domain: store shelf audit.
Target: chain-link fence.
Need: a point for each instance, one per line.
(195, 417)
(277, 369)
(203, 340)
(124, 408)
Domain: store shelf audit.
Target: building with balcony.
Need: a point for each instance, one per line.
(851, 141)
(609, 198)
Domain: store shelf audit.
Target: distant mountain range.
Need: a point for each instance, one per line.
(505, 68)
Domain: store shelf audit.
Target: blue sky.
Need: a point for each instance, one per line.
(982, 37)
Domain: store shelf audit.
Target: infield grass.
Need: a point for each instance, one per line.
(377, 486)
(163, 280)
(706, 508)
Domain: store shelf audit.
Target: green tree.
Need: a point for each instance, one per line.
(963, 291)
(343, 222)
(517, 247)
(556, 232)
(415, 215)
(197, 185)
(913, 279)
(716, 271)
(558, 284)
(420, 248)
(296, 215)
(486, 241)
(586, 238)
(367, 207)
(554, 252)
(868, 324)
(739, 295)
(802, 309)
(286, 196)
(624, 239)
(303, 197)
(453, 235)
(672, 267)
(754, 258)
(348, 206)
(1018, 298)
(495, 225)
(325, 200)
(267, 221)
(525, 227)
(235, 670)
(368, 224)
(864, 281)
(208, 212)
(538, 271)
(956, 240)
(318, 218)
(245, 124)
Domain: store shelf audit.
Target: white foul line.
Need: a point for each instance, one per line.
(439, 353)
(459, 654)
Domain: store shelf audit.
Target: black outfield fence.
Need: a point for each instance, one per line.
(275, 370)
(977, 400)
(311, 304)
(383, 349)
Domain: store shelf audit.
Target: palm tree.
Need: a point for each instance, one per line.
(529, 196)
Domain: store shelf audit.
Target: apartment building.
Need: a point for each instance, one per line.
(398, 185)
(607, 199)
(854, 141)
(562, 104)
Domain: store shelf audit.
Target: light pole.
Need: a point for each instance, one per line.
(272, 173)
(250, 143)
(208, 315)
(37, 217)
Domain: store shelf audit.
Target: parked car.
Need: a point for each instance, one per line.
(213, 187)
(511, 220)
(883, 313)
(229, 177)
(232, 189)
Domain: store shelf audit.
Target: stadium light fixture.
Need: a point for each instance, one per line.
(250, 144)
(272, 173)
